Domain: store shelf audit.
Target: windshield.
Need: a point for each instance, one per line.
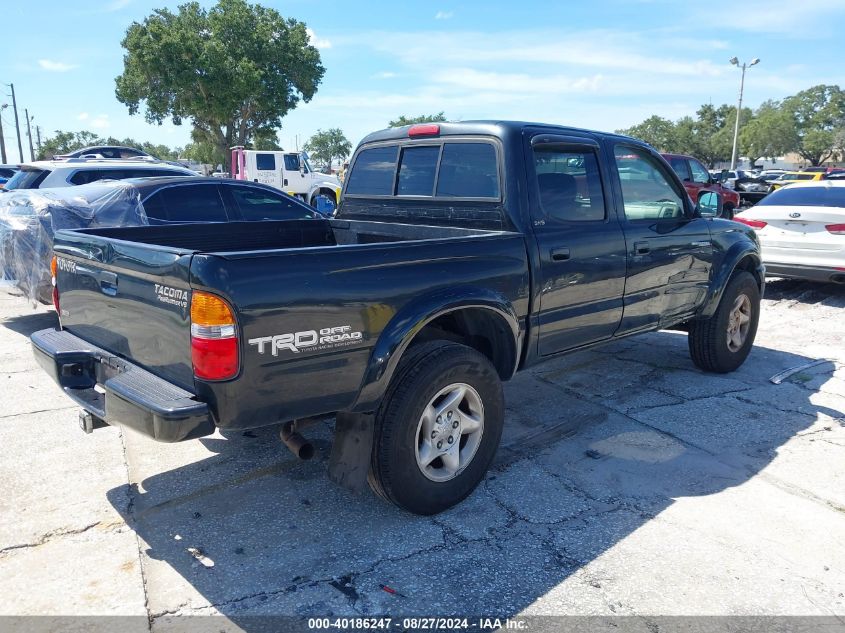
(796, 177)
(27, 179)
(797, 196)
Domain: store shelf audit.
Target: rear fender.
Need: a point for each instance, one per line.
(411, 319)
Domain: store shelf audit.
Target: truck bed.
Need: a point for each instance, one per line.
(234, 237)
(128, 292)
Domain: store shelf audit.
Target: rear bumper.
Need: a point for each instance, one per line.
(812, 273)
(129, 395)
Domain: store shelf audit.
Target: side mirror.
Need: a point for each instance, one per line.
(709, 205)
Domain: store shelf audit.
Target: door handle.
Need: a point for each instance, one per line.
(642, 248)
(108, 283)
(560, 254)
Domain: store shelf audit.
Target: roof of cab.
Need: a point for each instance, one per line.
(499, 129)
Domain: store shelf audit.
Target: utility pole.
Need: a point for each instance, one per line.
(735, 62)
(29, 133)
(17, 125)
(2, 138)
(38, 136)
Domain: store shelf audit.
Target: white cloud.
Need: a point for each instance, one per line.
(315, 41)
(385, 74)
(808, 18)
(54, 66)
(117, 5)
(100, 122)
(82, 116)
(443, 15)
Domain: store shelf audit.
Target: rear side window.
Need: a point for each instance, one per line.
(569, 183)
(265, 162)
(257, 204)
(194, 203)
(468, 170)
(417, 170)
(84, 176)
(373, 172)
(680, 166)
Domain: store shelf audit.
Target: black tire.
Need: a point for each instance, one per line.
(728, 212)
(708, 345)
(423, 372)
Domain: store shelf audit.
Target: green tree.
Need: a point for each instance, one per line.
(64, 142)
(266, 140)
(233, 70)
(656, 131)
(771, 133)
(422, 118)
(819, 115)
(327, 145)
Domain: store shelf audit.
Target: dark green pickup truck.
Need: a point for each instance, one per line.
(461, 253)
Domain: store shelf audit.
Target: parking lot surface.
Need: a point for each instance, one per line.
(628, 483)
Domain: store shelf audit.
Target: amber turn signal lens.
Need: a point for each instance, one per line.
(208, 309)
(53, 266)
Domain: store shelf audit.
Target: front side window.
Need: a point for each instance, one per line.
(265, 162)
(291, 162)
(647, 193)
(569, 183)
(417, 171)
(257, 204)
(468, 170)
(372, 173)
(699, 173)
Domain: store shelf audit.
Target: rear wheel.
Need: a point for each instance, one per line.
(437, 429)
(728, 211)
(722, 343)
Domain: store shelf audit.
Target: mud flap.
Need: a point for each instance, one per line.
(349, 462)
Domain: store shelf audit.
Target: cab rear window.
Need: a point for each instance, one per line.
(373, 172)
(449, 169)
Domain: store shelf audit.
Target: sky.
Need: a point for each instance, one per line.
(602, 65)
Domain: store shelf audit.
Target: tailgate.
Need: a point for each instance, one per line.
(128, 298)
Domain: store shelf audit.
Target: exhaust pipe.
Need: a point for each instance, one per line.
(297, 444)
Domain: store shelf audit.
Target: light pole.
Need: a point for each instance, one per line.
(2, 138)
(735, 62)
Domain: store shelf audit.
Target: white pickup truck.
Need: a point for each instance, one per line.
(288, 171)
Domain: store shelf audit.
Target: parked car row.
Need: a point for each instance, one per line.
(802, 230)
(30, 219)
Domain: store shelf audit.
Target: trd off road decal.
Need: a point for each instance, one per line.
(309, 340)
(172, 296)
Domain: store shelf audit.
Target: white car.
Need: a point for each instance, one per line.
(80, 171)
(802, 230)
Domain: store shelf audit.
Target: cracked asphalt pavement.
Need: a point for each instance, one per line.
(628, 483)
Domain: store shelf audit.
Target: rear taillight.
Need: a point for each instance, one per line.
(214, 338)
(754, 224)
(53, 269)
(836, 229)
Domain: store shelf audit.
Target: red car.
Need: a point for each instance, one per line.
(697, 179)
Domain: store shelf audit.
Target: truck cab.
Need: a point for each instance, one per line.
(288, 171)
